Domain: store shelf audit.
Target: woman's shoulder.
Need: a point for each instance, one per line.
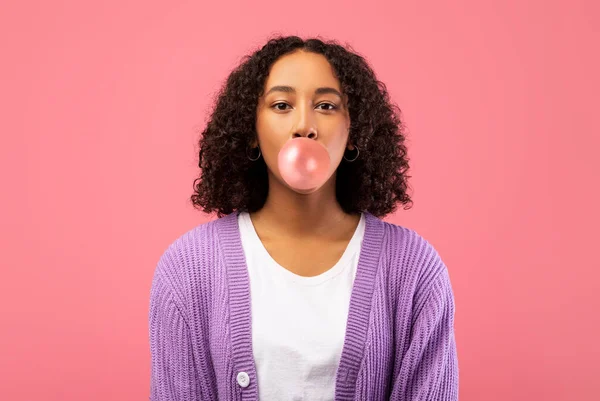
(190, 240)
(412, 258)
(407, 239)
(183, 260)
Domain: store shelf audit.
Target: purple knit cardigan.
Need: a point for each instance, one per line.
(399, 342)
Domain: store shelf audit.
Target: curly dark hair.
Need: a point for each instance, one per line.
(375, 182)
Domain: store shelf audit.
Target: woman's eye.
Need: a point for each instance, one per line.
(280, 104)
(331, 106)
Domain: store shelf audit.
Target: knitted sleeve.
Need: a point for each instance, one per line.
(173, 374)
(429, 368)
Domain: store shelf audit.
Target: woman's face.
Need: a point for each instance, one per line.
(302, 98)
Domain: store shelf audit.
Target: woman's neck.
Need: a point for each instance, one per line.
(289, 214)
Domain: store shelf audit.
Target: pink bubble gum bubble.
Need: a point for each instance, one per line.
(303, 163)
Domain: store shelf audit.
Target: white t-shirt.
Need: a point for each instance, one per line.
(298, 323)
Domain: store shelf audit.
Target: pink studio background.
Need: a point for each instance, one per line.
(100, 109)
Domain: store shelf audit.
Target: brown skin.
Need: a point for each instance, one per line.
(306, 232)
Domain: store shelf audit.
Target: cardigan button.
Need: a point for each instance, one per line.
(243, 379)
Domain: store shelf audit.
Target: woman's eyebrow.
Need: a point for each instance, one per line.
(289, 89)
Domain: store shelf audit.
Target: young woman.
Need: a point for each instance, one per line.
(297, 292)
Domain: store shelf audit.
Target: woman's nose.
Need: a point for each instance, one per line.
(305, 126)
(310, 134)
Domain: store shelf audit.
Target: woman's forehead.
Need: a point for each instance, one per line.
(302, 71)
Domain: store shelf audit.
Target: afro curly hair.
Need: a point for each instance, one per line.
(375, 182)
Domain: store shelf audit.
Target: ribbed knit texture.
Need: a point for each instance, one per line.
(399, 342)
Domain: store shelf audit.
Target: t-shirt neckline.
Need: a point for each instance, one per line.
(351, 249)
